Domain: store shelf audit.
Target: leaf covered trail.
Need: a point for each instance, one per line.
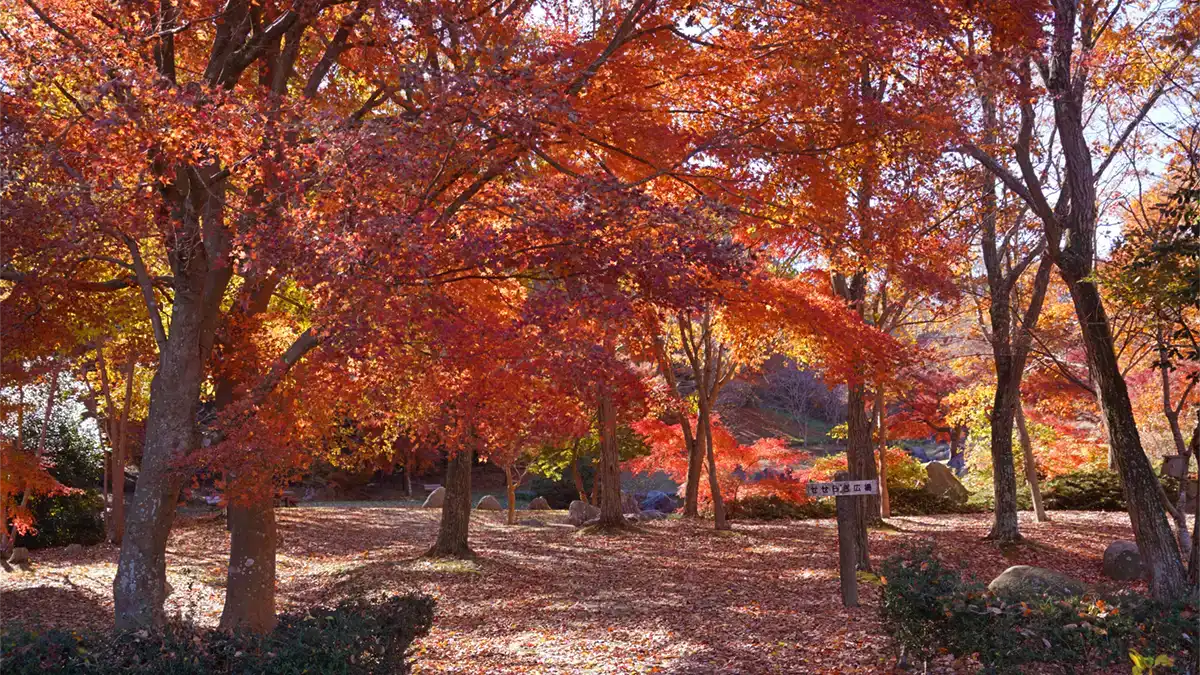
(676, 597)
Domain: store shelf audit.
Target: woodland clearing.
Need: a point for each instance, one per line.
(675, 597)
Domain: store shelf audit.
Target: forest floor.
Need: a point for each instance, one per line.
(675, 597)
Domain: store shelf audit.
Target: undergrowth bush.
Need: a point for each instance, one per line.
(76, 518)
(917, 502)
(358, 636)
(1094, 491)
(774, 507)
(930, 609)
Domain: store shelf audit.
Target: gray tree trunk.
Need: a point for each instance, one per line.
(456, 510)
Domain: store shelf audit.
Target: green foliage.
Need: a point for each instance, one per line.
(74, 459)
(66, 519)
(774, 507)
(1094, 491)
(929, 609)
(917, 502)
(357, 636)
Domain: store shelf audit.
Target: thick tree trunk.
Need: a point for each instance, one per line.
(610, 468)
(510, 490)
(714, 485)
(1031, 475)
(1004, 473)
(885, 502)
(250, 586)
(1155, 541)
(456, 509)
(860, 456)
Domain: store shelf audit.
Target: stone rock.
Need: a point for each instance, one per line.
(435, 499)
(539, 504)
(652, 515)
(20, 554)
(629, 503)
(1123, 561)
(658, 501)
(74, 549)
(531, 522)
(489, 503)
(579, 513)
(1024, 582)
(943, 482)
(589, 522)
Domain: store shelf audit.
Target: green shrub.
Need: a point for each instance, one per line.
(66, 519)
(917, 502)
(357, 636)
(1094, 491)
(929, 609)
(774, 507)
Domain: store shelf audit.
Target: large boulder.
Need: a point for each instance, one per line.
(629, 503)
(539, 504)
(489, 503)
(579, 513)
(20, 555)
(1023, 582)
(658, 501)
(435, 499)
(650, 515)
(1123, 561)
(943, 483)
(74, 549)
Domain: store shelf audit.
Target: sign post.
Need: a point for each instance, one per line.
(845, 490)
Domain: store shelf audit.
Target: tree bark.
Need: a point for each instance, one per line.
(456, 509)
(885, 502)
(610, 469)
(250, 585)
(695, 450)
(1004, 474)
(1155, 541)
(1031, 474)
(860, 457)
(116, 530)
(714, 484)
(575, 475)
(1178, 513)
(510, 490)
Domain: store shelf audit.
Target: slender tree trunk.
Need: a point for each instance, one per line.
(41, 446)
(575, 475)
(456, 509)
(116, 529)
(250, 585)
(410, 462)
(714, 485)
(1004, 474)
(510, 489)
(1031, 474)
(885, 502)
(861, 459)
(610, 469)
(695, 449)
(1178, 513)
(1155, 541)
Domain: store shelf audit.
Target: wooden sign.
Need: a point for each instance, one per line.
(844, 488)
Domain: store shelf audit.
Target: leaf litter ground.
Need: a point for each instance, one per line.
(675, 597)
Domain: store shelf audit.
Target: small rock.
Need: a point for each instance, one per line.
(531, 522)
(589, 522)
(20, 555)
(1123, 561)
(579, 513)
(435, 499)
(1024, 582)
(539, 504)
(74, 549)
(652, 515)
(489, 503)
(943, 482)
(658, 501)
(629, 503)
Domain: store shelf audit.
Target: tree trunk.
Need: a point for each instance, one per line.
(410, 461)
(456, 509)
(860, 456)
(1155, 541)
(695, 449)
(1031, 473)
(250, 586)
(610, 469)
(714, 485)
(41, 446)
(885, 502)
(1179, 513)
(510, 489)
(116, 529)
(1004, 474)
(583, 496)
